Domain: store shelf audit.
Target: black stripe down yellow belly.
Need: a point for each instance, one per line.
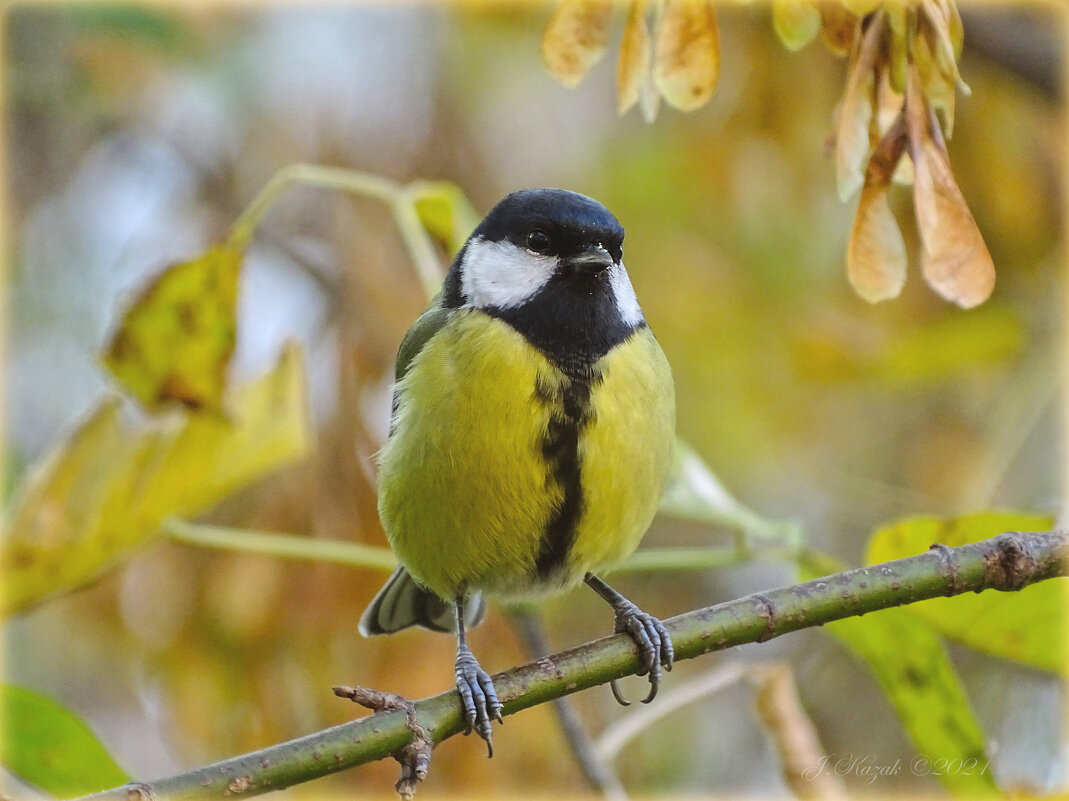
(503, 474)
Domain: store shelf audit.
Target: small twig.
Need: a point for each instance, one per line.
(794, 735)
(1007, 562)
(599, 775)
(665, 560)
(685, 693)
(415, 757)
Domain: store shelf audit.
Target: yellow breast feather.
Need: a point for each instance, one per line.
(464, 493)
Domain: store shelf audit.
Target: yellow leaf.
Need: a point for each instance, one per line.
(1024, 626)
(796, 22)
(838, 27)
(174, 343)
(954, 259)
(575, 38)
(633, 67)
(105, 490)
(445, 212)
(686, 62)
(855, 113)
(861, 8)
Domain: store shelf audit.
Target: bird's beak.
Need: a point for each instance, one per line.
(594, 259)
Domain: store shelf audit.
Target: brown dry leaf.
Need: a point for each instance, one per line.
(876, 254)
(687, 56)
(575, 38)
(955, 261)
(838, 27)
(633, 68)
(855, 113)
(796, 22)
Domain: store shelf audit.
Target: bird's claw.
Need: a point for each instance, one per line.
(478, 697)
(654, 646)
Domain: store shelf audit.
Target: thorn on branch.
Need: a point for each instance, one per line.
(415, 757)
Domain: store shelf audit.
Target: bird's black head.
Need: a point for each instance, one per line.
(549, 262)
(553, 222)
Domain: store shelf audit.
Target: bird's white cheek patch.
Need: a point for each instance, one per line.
(626, 302)
(502, 275)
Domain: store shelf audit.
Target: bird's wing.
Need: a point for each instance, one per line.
(426, 326)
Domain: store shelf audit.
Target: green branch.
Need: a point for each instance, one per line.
(1007, 562)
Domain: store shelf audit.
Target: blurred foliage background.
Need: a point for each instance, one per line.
(135, 136)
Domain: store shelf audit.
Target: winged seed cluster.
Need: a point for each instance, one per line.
(891, 125)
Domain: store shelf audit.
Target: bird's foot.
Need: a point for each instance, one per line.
(654, 645)
(415, 758)
(478, 697)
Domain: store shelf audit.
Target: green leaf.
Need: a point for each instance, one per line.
(1023, 626)
(106, 490)
(175, 341)
(48, 746)
(909, 661)
(693, 492)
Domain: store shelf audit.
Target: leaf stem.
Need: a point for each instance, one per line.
(663, 560)
(355, 554)
(283, 546)
(400, 198)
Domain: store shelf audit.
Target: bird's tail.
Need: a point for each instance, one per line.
(402, 603)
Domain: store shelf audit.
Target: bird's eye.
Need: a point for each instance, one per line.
(538, 241)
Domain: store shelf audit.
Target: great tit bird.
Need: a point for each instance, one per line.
(532, 429)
